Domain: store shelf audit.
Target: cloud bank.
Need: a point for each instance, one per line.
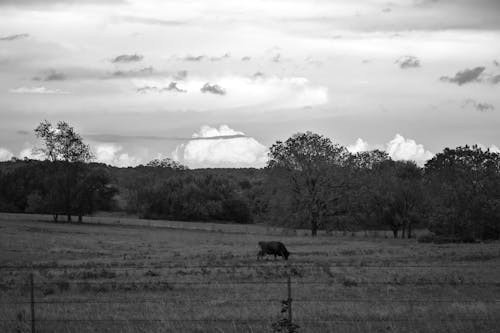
(5, 154)
(212, 150)
(399, 149)
(37, 90)
(112, 154)
(359, 146)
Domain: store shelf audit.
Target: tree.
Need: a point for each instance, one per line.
(66, 150)
(166, 163)
(366, 200)
(310, 163)
(464, 184)
(93, 192)
(62, 143)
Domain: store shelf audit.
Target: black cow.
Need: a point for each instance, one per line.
(273, 248)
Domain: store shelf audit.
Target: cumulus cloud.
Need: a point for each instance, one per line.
(400, 148)
(5, 154)
(11, 38)
(276, 58)
(496, 63)
(483, 107)
(465, 76)
(50, 75)
(359, 146)
(494, 149)
(172, 86)
(213, 89)
(112, 154)
(124, 58)
(221, 147)
(246, 58)
(406, 62)
(31, 153)
(37, 90)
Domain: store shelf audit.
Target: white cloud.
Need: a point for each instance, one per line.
(30, 153)
(207, 151)
(36, 90)
(400, 148)
(5, 154)
(210, 132)
(493, 148)
(359, 146)
(112, 154)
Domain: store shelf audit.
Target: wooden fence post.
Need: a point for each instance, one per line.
(289, 300)
(32, 287)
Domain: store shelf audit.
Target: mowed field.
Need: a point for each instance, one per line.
(98, 278)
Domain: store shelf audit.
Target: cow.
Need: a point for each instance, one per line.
(273, 248)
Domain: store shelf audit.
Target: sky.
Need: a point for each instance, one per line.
(214, 83)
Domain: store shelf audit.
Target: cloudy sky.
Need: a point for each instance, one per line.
(213, 83)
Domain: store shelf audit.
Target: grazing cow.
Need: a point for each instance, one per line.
(273, 248)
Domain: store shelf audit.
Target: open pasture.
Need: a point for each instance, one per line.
(102, 278)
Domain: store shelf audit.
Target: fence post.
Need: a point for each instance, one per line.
(32, 287)
(289, 300)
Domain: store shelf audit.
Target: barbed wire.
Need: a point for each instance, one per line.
(170, 284)
(264, 320)
(211, 300)
(267, 264)
(153, 285)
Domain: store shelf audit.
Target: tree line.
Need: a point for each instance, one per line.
(309, 182)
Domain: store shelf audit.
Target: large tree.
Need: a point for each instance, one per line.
(464, 184)
(66, 149)
(310, 163)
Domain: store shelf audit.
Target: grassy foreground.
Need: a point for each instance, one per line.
(98, 278)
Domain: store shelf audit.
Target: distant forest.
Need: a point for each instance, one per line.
(309, 182)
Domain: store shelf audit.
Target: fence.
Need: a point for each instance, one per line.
(286, 319)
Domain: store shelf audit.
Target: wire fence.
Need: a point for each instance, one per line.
(276, 264)
(286, 322)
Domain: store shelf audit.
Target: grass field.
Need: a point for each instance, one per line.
(102, 278)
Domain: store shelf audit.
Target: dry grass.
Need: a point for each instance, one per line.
(138, 279)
